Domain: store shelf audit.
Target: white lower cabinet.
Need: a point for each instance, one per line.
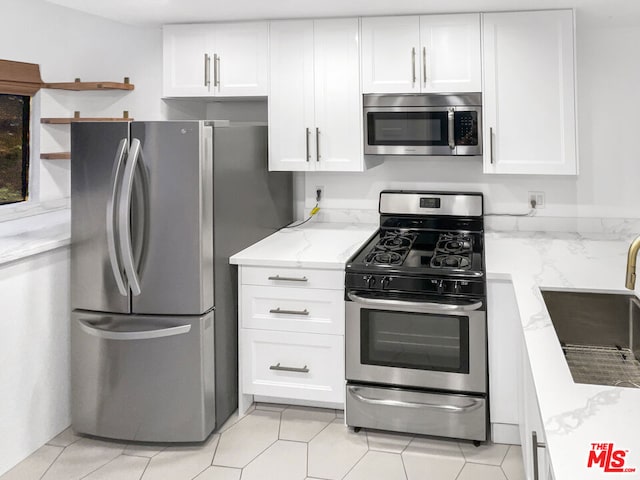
(514, 411)
(291, 336)
(534, 451)
(291, 365)
(504, 337)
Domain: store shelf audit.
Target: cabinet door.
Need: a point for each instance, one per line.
(504, 338)
(291, 108)
(390, 57)
(338, 105)
(450, 55)
(241, 50)
(530, 422)
(186, 71)
(529, 93)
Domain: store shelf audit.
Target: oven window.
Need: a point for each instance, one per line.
(407, 128)
(415, 340)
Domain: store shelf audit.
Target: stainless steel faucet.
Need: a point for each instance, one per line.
(631, 263)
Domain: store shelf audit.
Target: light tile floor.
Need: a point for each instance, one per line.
(275, 442)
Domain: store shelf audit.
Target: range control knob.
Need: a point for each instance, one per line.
(385, 282)
(370, 279)
(456, 287)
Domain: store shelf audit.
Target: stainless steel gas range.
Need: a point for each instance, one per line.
(416, 329)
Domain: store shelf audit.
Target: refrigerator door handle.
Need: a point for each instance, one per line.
(111, 216)
(90, 329)
(124, 217)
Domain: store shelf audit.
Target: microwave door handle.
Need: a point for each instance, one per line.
(450, 118)
(417, 306)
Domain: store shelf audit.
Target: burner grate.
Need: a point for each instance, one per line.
(392, 248)
(602, 365)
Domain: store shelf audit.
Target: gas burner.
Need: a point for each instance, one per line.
(461, 262)
(396, 240)
(378, 257)
(454, 243)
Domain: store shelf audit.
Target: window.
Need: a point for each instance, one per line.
(14, 148)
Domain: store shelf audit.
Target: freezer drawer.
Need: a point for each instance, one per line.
(413, 411)
(144, 378)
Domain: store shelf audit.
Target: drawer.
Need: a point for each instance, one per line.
(299, 366)
(293, 277)
(293, 309)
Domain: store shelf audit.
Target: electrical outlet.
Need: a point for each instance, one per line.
(538, 198)
(319, 193)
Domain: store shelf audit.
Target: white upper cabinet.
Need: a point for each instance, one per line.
(315, 106)
(450, 57)
(291, 109)
(390, 55)
(430, 53)
(222, 60)
(529, 93)
(185, 50)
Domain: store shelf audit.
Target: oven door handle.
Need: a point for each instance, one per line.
(472, 405)
(416, 306)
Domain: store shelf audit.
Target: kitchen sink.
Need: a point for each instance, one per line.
(599, 334)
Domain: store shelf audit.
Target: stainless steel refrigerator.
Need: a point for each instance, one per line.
(157, 208)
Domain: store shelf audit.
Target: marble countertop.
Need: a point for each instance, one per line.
(574, 415)
(22, 237)
(313, 245)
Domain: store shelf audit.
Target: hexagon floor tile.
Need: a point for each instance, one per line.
(275, 443)
(335, 451)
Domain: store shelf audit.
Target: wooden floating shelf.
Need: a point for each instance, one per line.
(77, 85)
(67, 120)
(56, 156)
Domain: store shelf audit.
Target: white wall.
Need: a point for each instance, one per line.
(67, 45)
(608, 101)
(34, 353)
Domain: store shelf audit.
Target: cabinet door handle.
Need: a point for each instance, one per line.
(317, 144)
(308, 154)
(289, 312)
(491, 145)
(288, 279)
(217, 79)
(207, 70)
(424, 65)
(289, 369)
(535, 445)
(413, 67)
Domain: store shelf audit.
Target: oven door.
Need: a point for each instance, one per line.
(418, 344)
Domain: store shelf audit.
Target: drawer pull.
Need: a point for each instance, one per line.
(289, 369)
(289, 312)
(289, 279)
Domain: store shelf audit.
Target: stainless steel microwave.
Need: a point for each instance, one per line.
(423, 124)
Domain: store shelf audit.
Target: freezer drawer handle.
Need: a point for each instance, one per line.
(289, 279)
(289, 312)
(87, 327)
(289, 369)
(472, 405)
(111, 216)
